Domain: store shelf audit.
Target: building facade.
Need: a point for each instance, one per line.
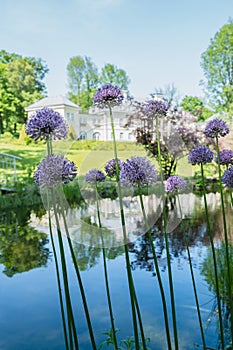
(94, 125)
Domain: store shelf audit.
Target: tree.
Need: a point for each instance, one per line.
(217, 64)
(21, 82)
(169, 94)
(75, 70)
(196, 107)
(114, 75)
(174, 144)
(83, 80)
(91, 79)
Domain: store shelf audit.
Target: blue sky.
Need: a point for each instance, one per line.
(157, 42)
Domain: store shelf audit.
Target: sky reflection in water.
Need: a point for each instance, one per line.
(30, 313)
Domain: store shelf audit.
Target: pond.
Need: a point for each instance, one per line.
(30, 306)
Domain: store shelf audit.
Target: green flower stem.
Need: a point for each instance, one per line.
(66, 284)
(172, 297)
(94, 347)
(128, 268)
(226, 239)
(157, 270)
(214, 259)
(106, 276)
(58, 279)
(49, 146)
(192, 275)
(64, 274)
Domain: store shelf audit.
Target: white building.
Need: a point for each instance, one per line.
(95, 125)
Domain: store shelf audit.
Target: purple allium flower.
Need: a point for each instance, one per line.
(226, 157)
(200, 155)
(137, 171)
(175, 184)
(54, 170)
(94, 176)
(108, 96)
(44, 123)
(216, 128)
(227, 177)
(110, 167)
(156, 108)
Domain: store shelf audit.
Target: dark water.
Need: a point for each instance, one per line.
(30, 316)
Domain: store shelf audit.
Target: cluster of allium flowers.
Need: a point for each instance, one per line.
(156, 108)
(108, 96)
(137, 171)
(200, 155)
(216, 128)
(227, 177)
(225, 157)
(175, 184)
(110, 167)
(46, 123)
(94, 175)
(54, 170)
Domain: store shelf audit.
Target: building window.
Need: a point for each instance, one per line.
(83, 135)
(121, 135)
(83, 120)
(130, 136)
(68, 116)
(122, 122)
(72, 117)
(96, 136)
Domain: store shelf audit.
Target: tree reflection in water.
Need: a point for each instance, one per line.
(207, 271)
(22, 248)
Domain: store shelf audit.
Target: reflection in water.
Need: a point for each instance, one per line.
(23, 248)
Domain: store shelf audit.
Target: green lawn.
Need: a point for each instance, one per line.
(85, 159)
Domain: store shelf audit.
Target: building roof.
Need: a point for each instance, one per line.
(52, 101)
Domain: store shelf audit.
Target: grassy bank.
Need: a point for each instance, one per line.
(85, 154)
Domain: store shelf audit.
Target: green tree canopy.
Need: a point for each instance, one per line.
(83, 80)
(21, 82)
(217, 64)
(195, 106)
(169, 93)
(114, 75)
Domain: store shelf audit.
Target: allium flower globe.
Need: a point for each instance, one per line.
(94, 175)
(54, 170)
(200, 155)
(156, 109)
(46, 123)
(227, 178)
(110, 167)
(108, 96)
(225, 157)
(216, 128)
(175, 184)
(137, 171)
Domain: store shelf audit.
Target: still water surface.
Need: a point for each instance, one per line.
(30, 316)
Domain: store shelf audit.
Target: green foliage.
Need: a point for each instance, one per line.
(22, 247)
(71, 133)
(216, 63)
(104, 145)
(125, 344)
(114, 75)
(24, 139)
(83, 79)
(21, 82)
(195, 106)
